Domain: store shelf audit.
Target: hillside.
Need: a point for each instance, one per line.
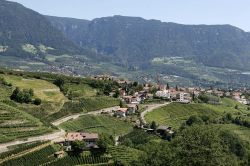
(26, 33)
(130, 40)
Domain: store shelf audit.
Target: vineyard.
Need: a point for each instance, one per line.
(18, 124)
(36, 158)
(19, 149)
(100, 124)
(89, 160)
(124, 154)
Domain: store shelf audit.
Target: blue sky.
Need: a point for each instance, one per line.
(234, 12)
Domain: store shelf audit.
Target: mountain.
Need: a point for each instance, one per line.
(25, 33)
(136, 41)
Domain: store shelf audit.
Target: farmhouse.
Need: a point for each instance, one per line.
(89, 138)
(122, 112)
(132, 108)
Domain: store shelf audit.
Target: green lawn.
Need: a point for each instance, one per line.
(100, 124)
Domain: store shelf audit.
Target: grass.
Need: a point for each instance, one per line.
(241, 131)
(80, 90)
(100, 124)
(42, 89)
(175, 113)
(53, 58)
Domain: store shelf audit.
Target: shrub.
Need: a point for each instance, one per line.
(37, 101)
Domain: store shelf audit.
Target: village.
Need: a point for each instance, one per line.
(133, 103)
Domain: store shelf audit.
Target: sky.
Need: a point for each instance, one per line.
(234, 12)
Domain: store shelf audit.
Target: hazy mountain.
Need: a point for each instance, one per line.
(136, 41)
(25, 33)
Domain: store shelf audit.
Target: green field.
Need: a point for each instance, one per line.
(175, 114)
(100, 124)
(15, 124)
(42, 89)
(80, 90)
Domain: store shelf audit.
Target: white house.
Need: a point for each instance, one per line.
(183, 97)
(163, 94)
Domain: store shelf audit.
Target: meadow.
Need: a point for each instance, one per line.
(42, 89)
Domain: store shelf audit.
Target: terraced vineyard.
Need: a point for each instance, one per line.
(99, 124)
(82, 160)
(87, 104)
(17, 124)
(42, 156)
(124, 154)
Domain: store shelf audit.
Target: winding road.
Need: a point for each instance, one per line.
(61, 133)
(55, 135)
(150, 108)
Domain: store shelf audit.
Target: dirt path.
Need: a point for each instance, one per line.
(150, 108)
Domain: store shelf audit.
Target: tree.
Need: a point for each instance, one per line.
(153, 125)
(104, 141)
(168, 86)
(117, 94)
(59, 82)
(37, 101)
(121, 104)
(236, 106)
(194, 120)
(22, 96)
(201, 145)
(78, 146)
(176, 88)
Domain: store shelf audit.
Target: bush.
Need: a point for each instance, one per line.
(37, 101)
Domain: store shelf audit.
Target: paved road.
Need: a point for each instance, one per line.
(52, 136)
(150, 108)
(65, 119)
(61, 133)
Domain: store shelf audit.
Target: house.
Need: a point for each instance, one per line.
(183, 97)
(132, 108)
(122, 112)
(89, 138)
(164, 129)
(163, 94)
(136, 99)
(59, 154)
(127, 99)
